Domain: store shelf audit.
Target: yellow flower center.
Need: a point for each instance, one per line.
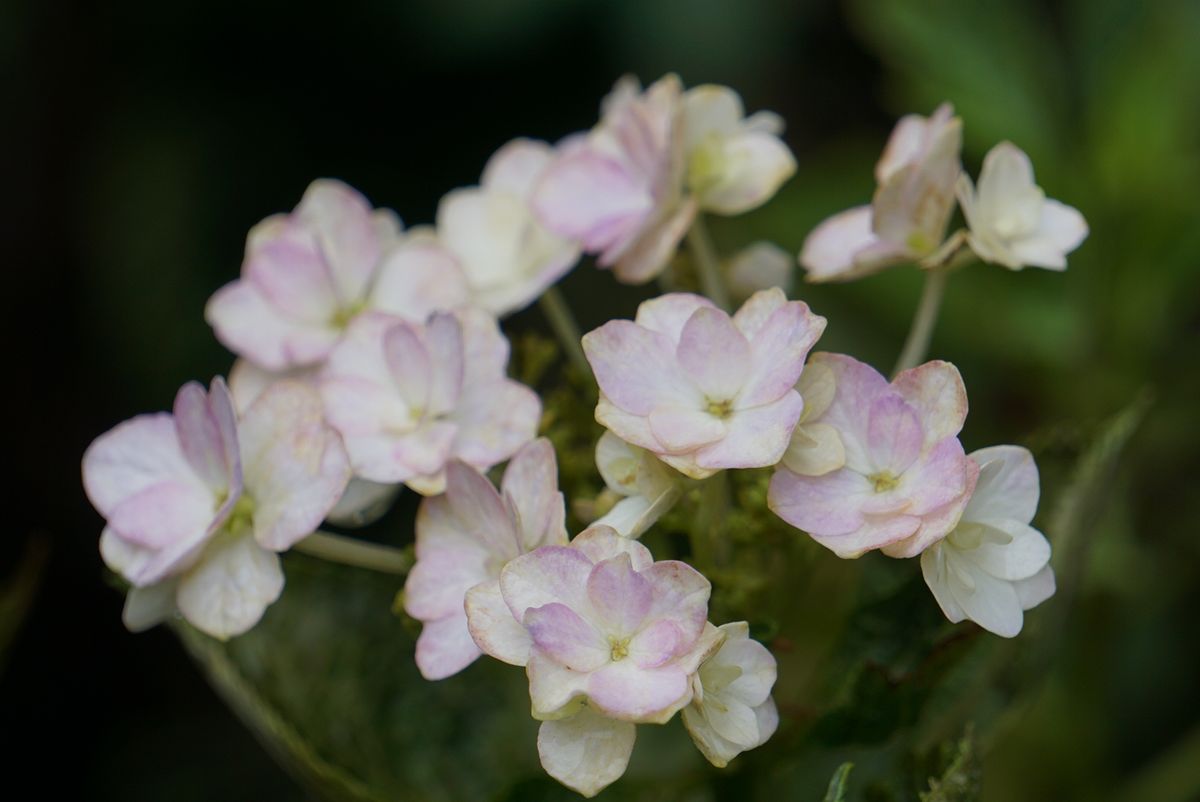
(620, 648)
(883, 481)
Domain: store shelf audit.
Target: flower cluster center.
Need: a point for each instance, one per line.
(719, 409)
(620, 648)
(883, 481)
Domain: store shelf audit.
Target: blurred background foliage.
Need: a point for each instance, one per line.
(144, 138)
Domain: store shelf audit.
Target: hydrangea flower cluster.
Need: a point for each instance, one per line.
(370, 358)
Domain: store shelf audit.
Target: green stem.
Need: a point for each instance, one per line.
(708, 548)
(917, 344)
(555, 308)
(356, 553)
(708, 264)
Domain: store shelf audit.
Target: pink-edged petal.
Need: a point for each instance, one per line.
(752, 315)
(599, 542)
(624, 691)
(247, 324)
(531, 485)
(656, 644)
(935, 524)
(493, 627)
(714, 354)
(1008, 485)
(620, 596)
(680, 429)
(207, 429)
(586, 752)
(834, 250)
(588, 196)
(633, 429)
(668, 314)
(291, 273)
(857, 387)
(778, 350)
(551, 574)
(417, 278)
(823, 506)
(165, 515)
(346, 234)
(894, 435)
(229, 589)
(470, 514)
(561, 634)
(937, 393)
(680, 595)
(437, 584)
(555, 691)
(296, 468)
(409, 365)
(755, 438)
(144, 566)
(943, 475)
(636, 367)
(652, 251)
(445, 647)
(444, 345)
(494, 420)
(133, 456)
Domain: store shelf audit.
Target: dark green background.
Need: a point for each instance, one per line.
(143, 139)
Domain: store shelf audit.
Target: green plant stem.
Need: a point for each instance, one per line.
(555, 308)
(708, 549)
(356, 553)
(916, 346)
(708, 264)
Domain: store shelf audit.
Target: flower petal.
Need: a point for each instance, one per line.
(493, 627)
(445, 647)
(586, 752)
(636, 367)
(551, 574)
(562, 635)
(227, 592)
(531, 486)
(625, 691)
(937, 393)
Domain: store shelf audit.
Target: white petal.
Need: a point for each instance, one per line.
(493, 627)
(228, 591)
(1036, 589)
(363, 502)
(149, 606)
(586, 752)
(1007, 488)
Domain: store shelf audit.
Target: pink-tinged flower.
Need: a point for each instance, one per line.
(815, 448)
(1011, 220)
(731, 708)
(586, 751)
(906, 221)
(618, 191)
(734, 163)
(618, 632)
(700, 390)
(905, 480)
(649, 488)
(407, 398)
(308, 273)
(197, 504)
(508, 257)
(464, 538)
(994, 565)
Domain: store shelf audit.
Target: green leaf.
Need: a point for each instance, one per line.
(960, 781)
(837, 784)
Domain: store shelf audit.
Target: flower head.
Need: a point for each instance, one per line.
(464, 538)
(905, 479)
(994, 565)
(907, 219)
(1011, 220)
(197, 503)
(618, 190)
(734, 163)
(699, 389)
(731, 708)
(407, 398)
(507, 256)
(307, 274)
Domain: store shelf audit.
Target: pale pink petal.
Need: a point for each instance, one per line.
(680, 596)
(443, 343)
(409, 365)
(291, 273)
(247, 324)
(469, 515)
(633, 429)
(858, 386)
(822, 506)
(845, 247)
(560, 633)
(296, 468)
(133, 456)
(714, 355)
(389, 458)
(588, 196)
(165, 515)
(894, 435)
(757, 310)
(229, 589)
(680, 429)
(417, 278)
(493, 627)
(551, 574)
(940, 477)
(346, 234)
(445, 647)
(937, 393)
(143, 566)
(620, 596)
(652, 251)
(624, 691)
(437, 584)
(531, 485)
(586, 752)
(903, 146)
(601, 543)
(636, 367)
(485, 348)
(668, 314)
(656, 644)
(755, 438)
(516, 166)
(494, 420)
(207, 428)
(779, 347)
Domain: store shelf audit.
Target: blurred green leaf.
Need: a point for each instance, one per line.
(837, 784)
(960, 782)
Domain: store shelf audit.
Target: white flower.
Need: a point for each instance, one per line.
(731, 708)
(994, 565)
(734, 163)
(650, 488)
(1012, 221)
(508, 257)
